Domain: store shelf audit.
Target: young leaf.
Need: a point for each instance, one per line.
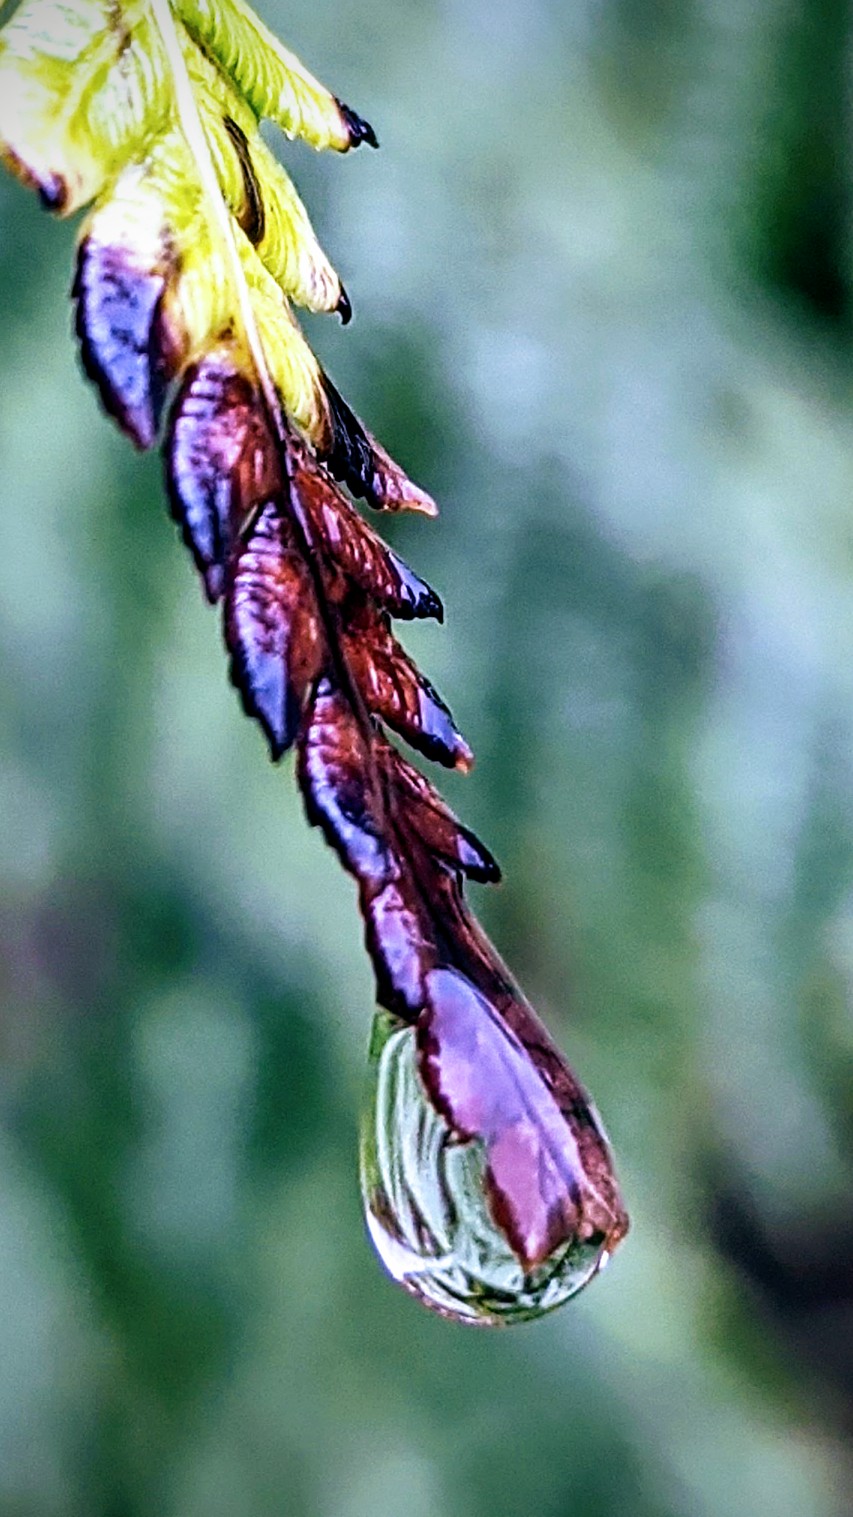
(488, 1182)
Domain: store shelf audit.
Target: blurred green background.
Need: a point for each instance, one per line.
(602, 272)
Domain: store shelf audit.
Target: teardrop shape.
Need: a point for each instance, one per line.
(432, 1207)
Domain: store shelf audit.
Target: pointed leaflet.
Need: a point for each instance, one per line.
(192, 253)
(273, 628)
(128, 345)
(349, 542)
(218, 467)
(272, 79)
(220, 463)
(394, 689)
(427, 815)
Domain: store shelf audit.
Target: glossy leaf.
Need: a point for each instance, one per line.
(220, 463)
(348, 542)
(395, 690)
(273, 627)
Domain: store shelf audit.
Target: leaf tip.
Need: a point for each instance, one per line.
(476, 860)
(51, 188)
(412, 498)
(358, 130)
(344, 308)
(430, 604)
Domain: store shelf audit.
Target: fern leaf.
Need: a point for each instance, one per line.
(488, 1181)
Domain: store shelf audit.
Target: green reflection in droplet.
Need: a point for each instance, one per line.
(426, 1204)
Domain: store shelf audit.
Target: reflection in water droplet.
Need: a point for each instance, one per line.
(426, 1197)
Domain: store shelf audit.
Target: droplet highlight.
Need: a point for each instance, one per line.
(478, 1195)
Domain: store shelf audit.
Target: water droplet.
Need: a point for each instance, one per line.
(482, 1197)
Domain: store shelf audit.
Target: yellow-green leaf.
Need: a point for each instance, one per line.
(272, 79)
(151, 109)
(83, 86)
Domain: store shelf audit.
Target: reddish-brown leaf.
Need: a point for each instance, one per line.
(420, 809)
(220, 461)
(272, 627)
(394, 689)
(344, 782)
(363, 465)
(354, 548)
(342, 793)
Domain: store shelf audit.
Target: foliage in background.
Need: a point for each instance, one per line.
(638, 414)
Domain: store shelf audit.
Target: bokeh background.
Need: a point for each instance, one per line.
(602, 277)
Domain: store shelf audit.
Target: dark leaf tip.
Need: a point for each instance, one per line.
(358, 129)
(344, 308)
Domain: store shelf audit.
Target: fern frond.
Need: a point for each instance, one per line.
(488, 1181)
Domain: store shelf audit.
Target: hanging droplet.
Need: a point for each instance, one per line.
(487, 1181)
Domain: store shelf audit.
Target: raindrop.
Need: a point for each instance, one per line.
(483, 1197)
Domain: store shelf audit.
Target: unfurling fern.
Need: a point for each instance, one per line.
(488, 1182)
